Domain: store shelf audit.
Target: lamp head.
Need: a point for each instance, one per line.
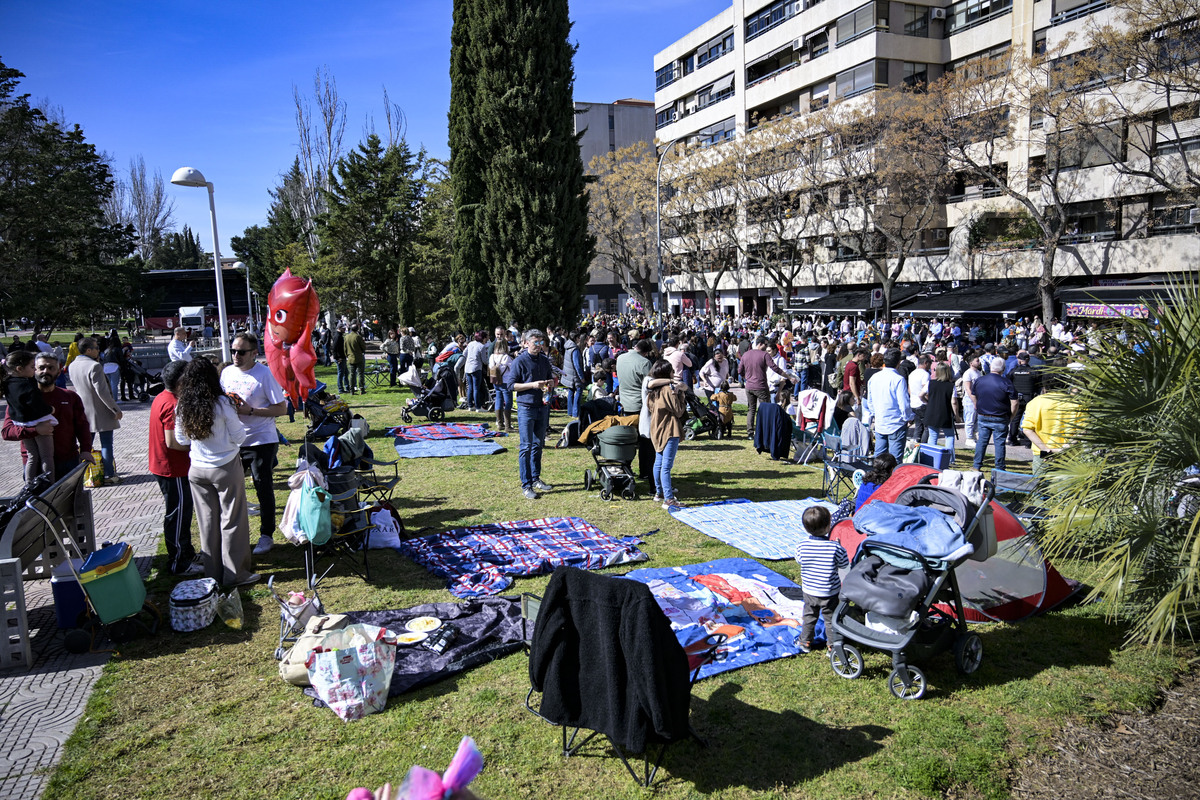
(239, 265)
(188, 176)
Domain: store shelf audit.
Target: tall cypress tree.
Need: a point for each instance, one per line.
(530, 223)
(470, 283)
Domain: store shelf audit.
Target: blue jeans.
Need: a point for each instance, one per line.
(114, 383)
(892, 443)
(106, 453)
(343, 376)
(476, 391)
(933, 434)
(574, 400)
(393, 365)
(503, 398)
(997, 429)
(531, 427)
(662, 469)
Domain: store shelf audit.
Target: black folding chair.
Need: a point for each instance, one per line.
(837, 477)
(589, 627)
(351, 539)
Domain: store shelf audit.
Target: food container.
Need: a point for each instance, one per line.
(193, 605)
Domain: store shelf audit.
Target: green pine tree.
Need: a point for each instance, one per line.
(367, 235)
(532, 224)
(471, 288)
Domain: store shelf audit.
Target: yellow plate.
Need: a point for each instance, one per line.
(424, 624)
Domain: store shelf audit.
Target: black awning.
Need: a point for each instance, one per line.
(1006, 299)
(1114, 302)
(854, 301)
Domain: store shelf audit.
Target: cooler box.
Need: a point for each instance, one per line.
(112, 583)
(69, 601)
(936, 456)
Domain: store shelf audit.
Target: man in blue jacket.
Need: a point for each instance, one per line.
(530, 376)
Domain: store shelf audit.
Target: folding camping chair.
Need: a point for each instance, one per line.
(379, 375)
(377, 479)
(840, 464)
(814, 417)
(352, 525)
(586, 682)
(1022, 495)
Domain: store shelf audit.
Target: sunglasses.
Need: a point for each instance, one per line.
(242, 352)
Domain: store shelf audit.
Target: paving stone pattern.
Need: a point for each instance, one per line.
(40, 706)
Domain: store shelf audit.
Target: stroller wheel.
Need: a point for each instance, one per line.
(587, 480)
(689, 433)
(404, 415)
(968, 653)
(629, 494)
(848, 662)
(718, 434)
(915, 689)
(78, 640)
(605, 494)
(436, 414)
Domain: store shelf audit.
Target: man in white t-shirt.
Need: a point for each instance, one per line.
(259, 400)
(967, 393)
(918, 393)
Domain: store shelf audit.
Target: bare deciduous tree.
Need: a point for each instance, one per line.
(320, 148)
(621, 215)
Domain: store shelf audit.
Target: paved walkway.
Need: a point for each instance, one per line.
(39, 707)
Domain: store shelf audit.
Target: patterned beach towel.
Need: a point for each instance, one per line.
(481, 559)
(439, 431)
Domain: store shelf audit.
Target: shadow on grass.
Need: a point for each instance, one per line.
(764, 750)
(436, 520)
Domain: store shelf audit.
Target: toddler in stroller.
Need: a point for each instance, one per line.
(328, 415)
(439, 397)
(614, 450)
(901, 594)
(700, 419)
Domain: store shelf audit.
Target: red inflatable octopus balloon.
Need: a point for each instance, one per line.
(292, 309)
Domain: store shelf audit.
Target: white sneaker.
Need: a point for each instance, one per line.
(968, 442)
(265, 543)
(252, 509)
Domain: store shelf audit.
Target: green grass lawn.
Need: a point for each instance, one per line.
(205, 714)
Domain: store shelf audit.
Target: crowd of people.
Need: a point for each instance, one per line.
(915, 379)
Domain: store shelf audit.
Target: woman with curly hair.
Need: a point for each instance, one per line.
(207, 420)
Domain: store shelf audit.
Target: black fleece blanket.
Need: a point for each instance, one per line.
(488, 628)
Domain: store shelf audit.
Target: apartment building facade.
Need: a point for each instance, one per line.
(606, 128)
(759, 59)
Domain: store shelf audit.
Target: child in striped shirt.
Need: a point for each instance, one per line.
(819, 560)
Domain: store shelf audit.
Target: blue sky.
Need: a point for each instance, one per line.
(209, 85)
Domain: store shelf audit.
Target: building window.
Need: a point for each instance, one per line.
(714, 133)
(1170, 216)
(861, 21)
(916, 20)
(772, 64)
(983, 64)
(820, 97)
(665, 117)
(968, 13)
(665, 76)
(771, 16)
(1093, 221)
(715, 48)
(915, 75)
(862, 78)
(715, 93)
(687, 64)
(818, 44)
(1039, 42)
(1069, 10)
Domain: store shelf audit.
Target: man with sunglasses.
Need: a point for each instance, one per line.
(530, 376)
(259, 400)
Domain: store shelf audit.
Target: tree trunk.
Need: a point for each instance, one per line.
(1046, 283)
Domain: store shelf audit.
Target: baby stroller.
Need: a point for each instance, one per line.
(439, 397)
(614, 450)
(700, 419)
(143, 381)
(902, 594)
(328, 415)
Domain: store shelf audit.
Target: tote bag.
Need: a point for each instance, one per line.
(352, 671)
(314, 517)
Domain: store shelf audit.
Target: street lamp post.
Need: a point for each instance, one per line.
(250, 326)
(190, 176)
(658, 222)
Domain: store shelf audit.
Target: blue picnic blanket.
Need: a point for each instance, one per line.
(735, 596)
(921, 529)
(444, 448)
(771, 530)
(479, 560)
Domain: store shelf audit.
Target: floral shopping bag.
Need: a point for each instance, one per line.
(352, 670)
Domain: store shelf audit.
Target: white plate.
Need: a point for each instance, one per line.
(423, 624)
(411, 637)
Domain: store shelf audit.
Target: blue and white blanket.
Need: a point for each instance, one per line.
(771, 530)
(735, 596)
(481, 559)
(444, 448)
